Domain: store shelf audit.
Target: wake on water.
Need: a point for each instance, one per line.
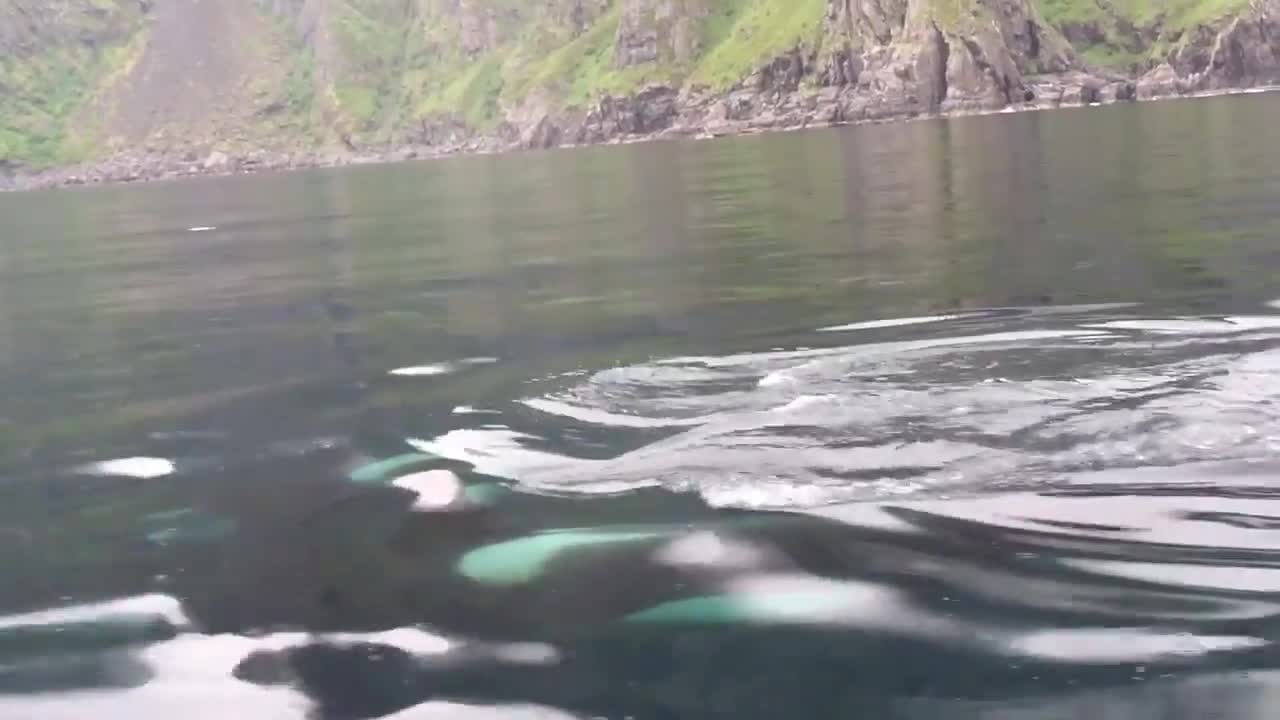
(949, 405)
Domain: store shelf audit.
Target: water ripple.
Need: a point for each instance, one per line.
(1019, 406)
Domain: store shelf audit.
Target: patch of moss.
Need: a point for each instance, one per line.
(742, 35)
(40, 96)
(362, 103)
(373, 38)
(370, 41)
(299, 92)
(1116, 58)
(1178, 14)
(1061, 12)
(574, 71)
(1169, 14)
(951, 14)
(46, 81)
(1116, 23)
(473, 94)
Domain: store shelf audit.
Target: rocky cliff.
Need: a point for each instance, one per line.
(119, 89)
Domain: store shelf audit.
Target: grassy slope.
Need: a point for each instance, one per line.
(748, 33)
(737, 38)
(1171, 18)
(396, 77)
(45, 82)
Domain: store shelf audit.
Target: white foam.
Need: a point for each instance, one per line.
(143, 468)
(412, 640)
(423, 370)
(444, 368)
(1123, 645)
(202, 228)
(603, 417)
(469, 410)
(894, 322)
(884, 349)
(493, 452)
(1195, 326)
(879, 421)
(161, 607)
(776, 379)
(1251, 322)
(440, 710)
(806, 402)
(1252, 579)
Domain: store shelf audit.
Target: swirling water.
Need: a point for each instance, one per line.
(963, 419)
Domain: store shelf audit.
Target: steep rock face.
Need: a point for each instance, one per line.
(912, 56)
(222, 43)
(1178, 47)
(579, 15)
(1235, 52)
(254, 83)
(54, 56)
(1162, 81)
(654, 30)
(480, 27)
(28, 27)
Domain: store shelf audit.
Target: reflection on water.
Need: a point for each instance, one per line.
(969, 419)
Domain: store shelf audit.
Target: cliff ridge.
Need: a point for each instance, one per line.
(124, 89)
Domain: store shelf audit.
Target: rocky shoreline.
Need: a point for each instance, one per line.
(656, 113)
(859, 61)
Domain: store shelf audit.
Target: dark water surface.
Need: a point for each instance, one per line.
(966, 419)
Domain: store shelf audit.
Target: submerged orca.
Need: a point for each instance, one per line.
(645, 604)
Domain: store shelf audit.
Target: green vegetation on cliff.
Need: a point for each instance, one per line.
(1125, 34)
(369, 71)
(1171, 14)
(573, 73)
(748, 33)
(732, 40)
(55, 56)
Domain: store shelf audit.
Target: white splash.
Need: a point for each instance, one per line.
(493, 452)
(202, 228)
(894, 322)
(436, 490)
(424, 370)
(143, 468)
(1195, 326)
(604, 417)
(443, 368)
(412, 640)
(469, 410)
(1123, 645)
(442, 710)
(160, 607)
